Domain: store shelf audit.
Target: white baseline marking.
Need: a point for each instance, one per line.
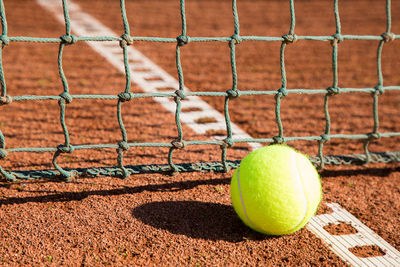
(143, 69)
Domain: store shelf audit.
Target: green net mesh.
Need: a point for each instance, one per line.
(179, 143)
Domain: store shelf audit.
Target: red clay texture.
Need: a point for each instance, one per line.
(188, 220)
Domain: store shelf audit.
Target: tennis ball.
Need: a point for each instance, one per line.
(276, 190)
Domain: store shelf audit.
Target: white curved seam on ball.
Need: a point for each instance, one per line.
(241, 199)
(296, 167)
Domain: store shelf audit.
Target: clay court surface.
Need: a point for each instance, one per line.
(187, 219)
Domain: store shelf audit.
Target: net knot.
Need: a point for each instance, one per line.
(126, 40)
(388, 37)
(3, 153)
(278, 139)
(282, 92)
(325, 138)
(337, 38)
(227, 142)
(124, 97)
(123, 145)
(236, 39)
(66, 97)
(182, 40)
(179, 95)
(333, 91)
(4, 40)
(4, 100)
(379, 90)
(68, 39)
(289, 38)
(232, 93)
(65, 149)
(375, 135)
(178, 144)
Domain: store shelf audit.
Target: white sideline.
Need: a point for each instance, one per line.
(340, 244)
(142, 68)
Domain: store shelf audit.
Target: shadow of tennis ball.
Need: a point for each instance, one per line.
(202, 220)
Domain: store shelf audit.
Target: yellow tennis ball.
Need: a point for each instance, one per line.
(276, 190)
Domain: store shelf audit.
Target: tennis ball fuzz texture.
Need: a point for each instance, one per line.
(276, 190)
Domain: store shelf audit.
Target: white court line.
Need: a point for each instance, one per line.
(340, 244)
(82, 24)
